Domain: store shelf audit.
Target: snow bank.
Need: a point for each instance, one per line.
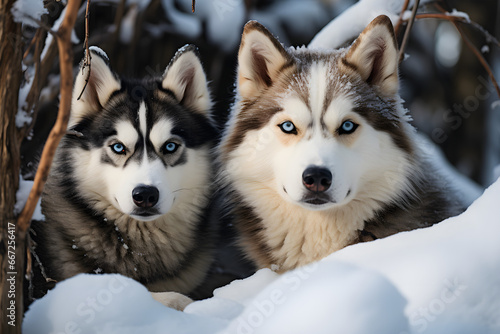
(109, 304)
(442, 279)
(352, 21)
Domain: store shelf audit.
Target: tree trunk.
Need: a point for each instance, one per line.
(11, 251)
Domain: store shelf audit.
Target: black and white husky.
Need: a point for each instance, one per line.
(318, 152)
(130, 186)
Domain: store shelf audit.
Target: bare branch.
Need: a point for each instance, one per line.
(193, 5)
(408, 30)
(63, 37)
(479, 56)
(88, 57)
(400, 20)
(459, 19)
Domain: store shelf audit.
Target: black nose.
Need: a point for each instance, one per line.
(317, 179)
(145, 196)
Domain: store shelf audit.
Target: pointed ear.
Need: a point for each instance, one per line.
(374, 55)
(260, 59)
(185, 77)
(102, 82)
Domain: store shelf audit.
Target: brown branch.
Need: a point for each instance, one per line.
(453, 18)
(407, 31)
(400, 20)
(88, 57)
(34, 93)
(35, 39)
(456, 20)
(193, 5)
(479, 56)
(63, 37)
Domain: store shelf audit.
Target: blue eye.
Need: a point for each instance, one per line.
(170, 147)
(347, 127)
(118, 148)
(288, 127)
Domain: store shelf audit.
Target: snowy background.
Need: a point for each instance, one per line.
(443, 279)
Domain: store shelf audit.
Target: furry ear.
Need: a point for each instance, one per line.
(102, 82)
(185, 77)
(260, 58)
(374, 55)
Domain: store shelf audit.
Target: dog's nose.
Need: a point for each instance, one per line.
(317, 179)
(145, 196)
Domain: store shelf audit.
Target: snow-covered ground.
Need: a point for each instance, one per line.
(442, 279)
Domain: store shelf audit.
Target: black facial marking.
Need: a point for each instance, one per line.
(181, 160)
(105, 159)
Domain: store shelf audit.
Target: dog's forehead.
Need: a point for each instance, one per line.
(161, 130)
(126, 131)
(318, 91)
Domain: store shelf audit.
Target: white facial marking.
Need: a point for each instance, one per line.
(160, 132)
(142, 119)
(317, 89)
(126, 134)
(338, 111)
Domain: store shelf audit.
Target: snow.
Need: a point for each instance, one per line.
(22, 196)
(352, 21)
(223, 20)
(55, 27)
(128, 25)
(109, 304)
(99, 51)
(459, 14)
(23, 116)
(441, 279)
(187, 24)
(24, 11)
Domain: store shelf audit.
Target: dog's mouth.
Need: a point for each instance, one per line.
(317, 201)
(145, 214)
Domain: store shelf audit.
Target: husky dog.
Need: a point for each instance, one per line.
(130, 186)
(318, 152)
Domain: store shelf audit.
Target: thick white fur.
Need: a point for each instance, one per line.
(172, 299)
(186, 79)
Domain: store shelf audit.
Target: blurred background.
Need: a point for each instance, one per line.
(448, 92)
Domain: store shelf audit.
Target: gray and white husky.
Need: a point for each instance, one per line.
(318, 152)
(130, 186)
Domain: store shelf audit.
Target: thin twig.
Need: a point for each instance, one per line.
(193, 5)
(33, 41)
(88, 57)
(454, 18)
(400, 20)
(408, 30)
(479, 56)
(63, 37)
